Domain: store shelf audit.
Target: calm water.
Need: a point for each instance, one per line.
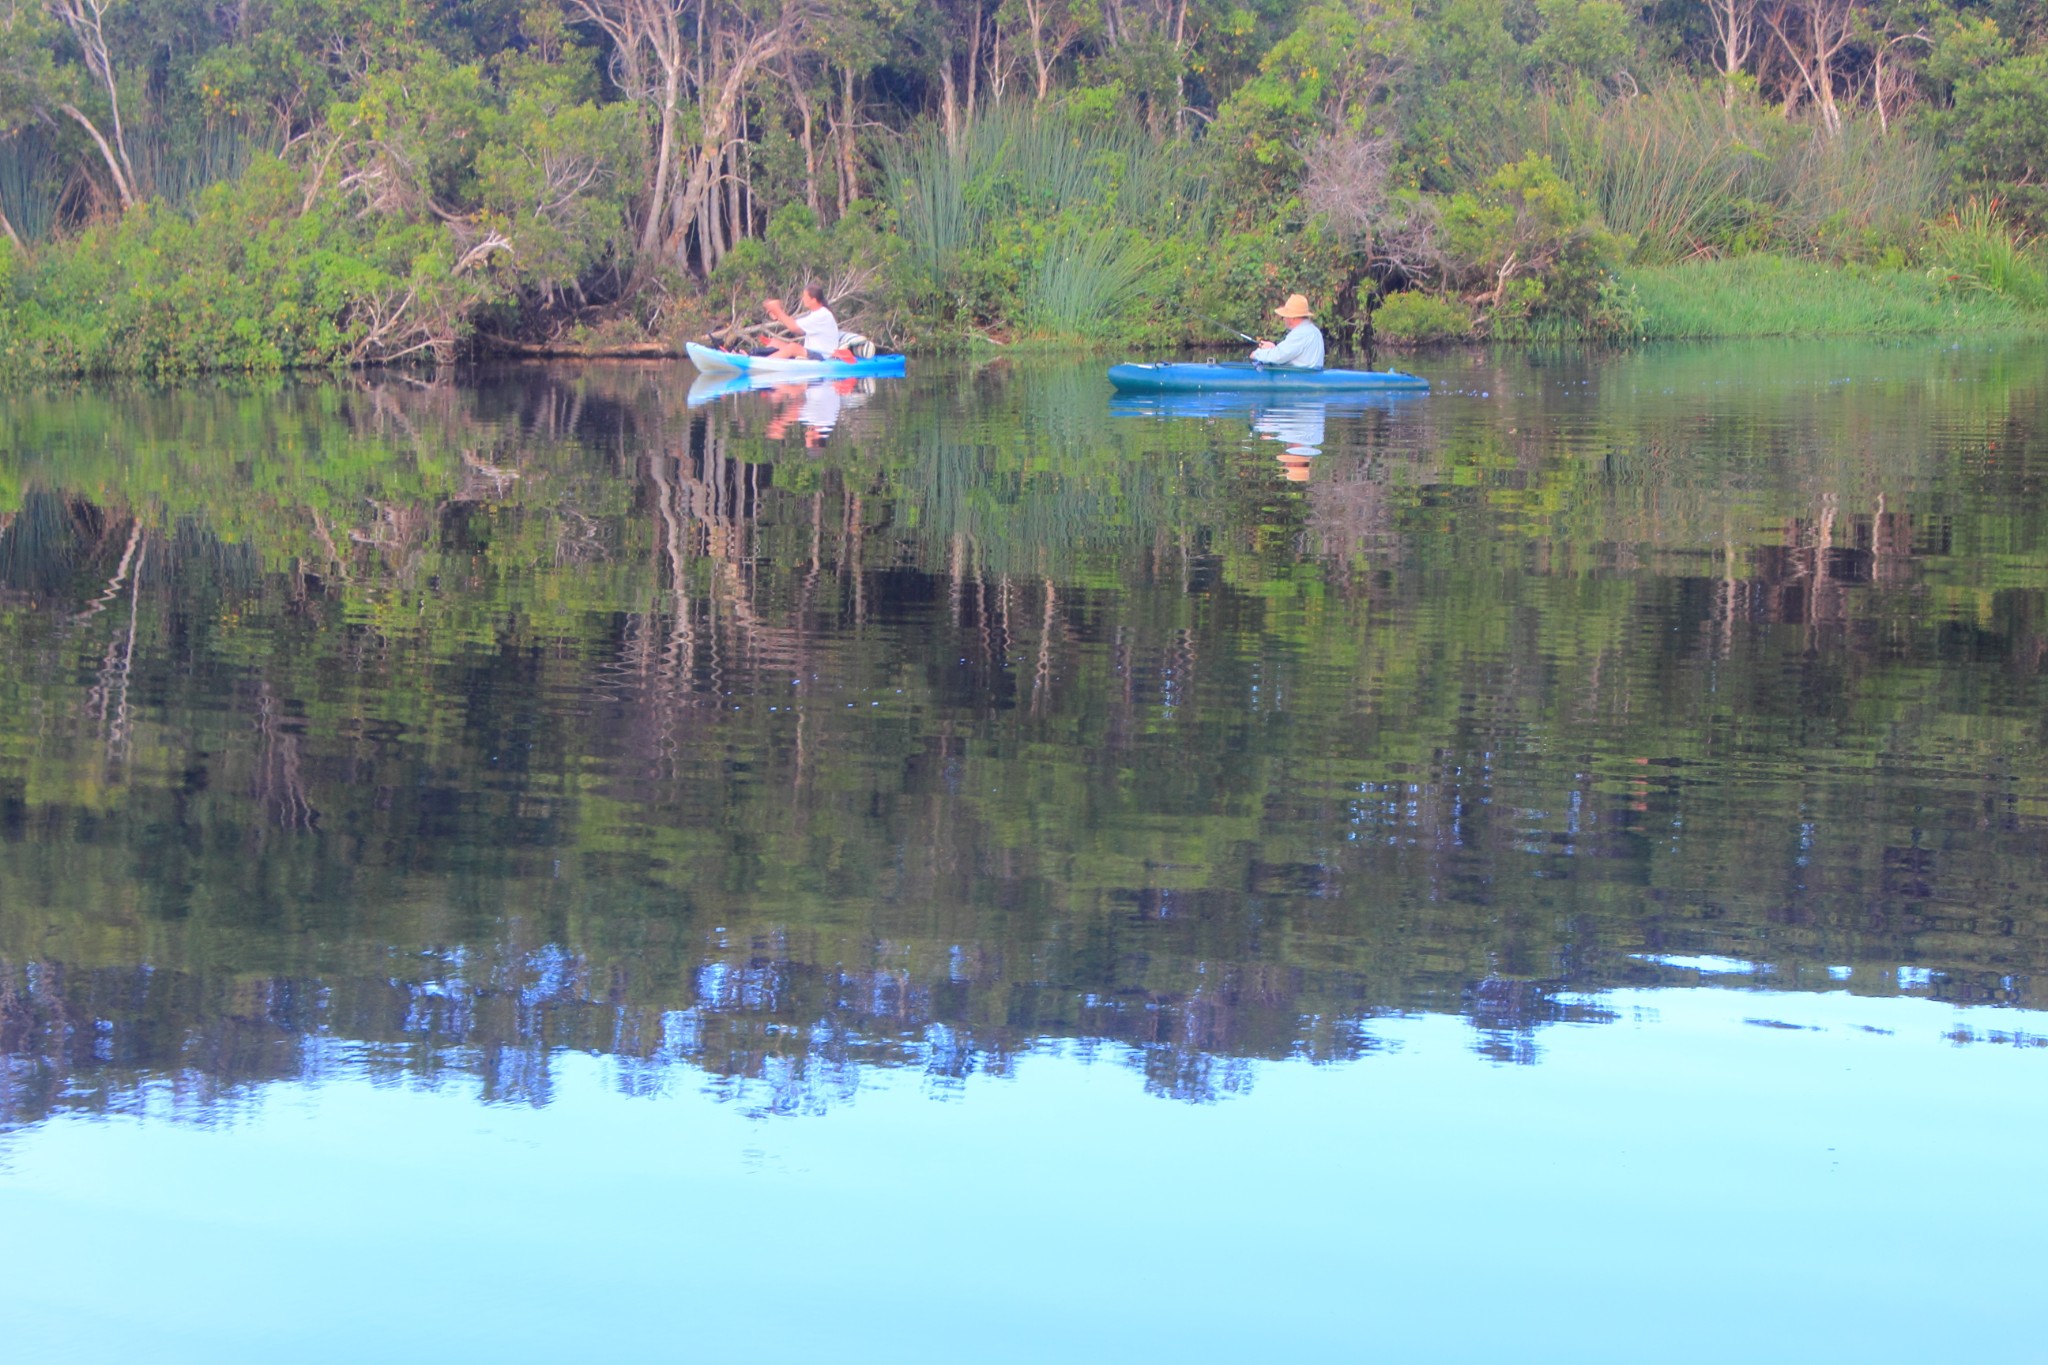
(967, 868)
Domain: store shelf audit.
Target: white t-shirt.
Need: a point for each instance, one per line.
(820, 331)
(820, 411)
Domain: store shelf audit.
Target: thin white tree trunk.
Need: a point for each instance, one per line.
(122, 185)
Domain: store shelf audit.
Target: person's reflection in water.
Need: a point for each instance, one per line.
(816, 406)
(1298, 427)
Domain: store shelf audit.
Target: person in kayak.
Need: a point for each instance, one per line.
(1302, 347)
(817, 330)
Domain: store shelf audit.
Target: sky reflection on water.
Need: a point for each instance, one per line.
(1720, 1174)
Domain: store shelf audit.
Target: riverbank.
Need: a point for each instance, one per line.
(51, 327)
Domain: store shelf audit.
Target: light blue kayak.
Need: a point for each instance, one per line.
(732, 362)
(1246, 377)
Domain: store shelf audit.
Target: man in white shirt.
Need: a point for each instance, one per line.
(1302, 347)
(817, 330)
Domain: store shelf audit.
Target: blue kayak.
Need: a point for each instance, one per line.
(734, 362)
(1245, 376)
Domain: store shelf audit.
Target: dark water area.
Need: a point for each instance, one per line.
(559, 738)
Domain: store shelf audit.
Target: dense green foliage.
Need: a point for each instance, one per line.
(335, 181)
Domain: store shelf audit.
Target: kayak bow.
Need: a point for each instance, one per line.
(1174, 377)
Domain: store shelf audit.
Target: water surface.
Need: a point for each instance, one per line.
(928, 862)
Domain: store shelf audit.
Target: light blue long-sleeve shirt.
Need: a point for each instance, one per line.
(1301, 346)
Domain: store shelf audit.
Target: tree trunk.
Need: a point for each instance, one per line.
(974, 59)
(803, 109)
(849, 150)
(664, 162)
(719, 115)
(83, 20)
(710, 216)
(122, 185)
(1034, 13)
(735, 209)
(1180, 67)
(949, 101)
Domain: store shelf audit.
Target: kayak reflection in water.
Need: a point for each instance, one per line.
(816, 406)
(1298, 427)
(1302, 347)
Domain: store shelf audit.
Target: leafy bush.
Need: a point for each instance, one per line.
(1236, 278)
(1412, 316)
(248, 283)
(1335, 69)
(1527, 243)
(1587, 39)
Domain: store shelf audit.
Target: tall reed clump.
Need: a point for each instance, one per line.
(1087, 280)
(1031, 218)
(1861, 192)
(1973, 248)
(31, 184)
(176, 167)
(1684, 175)
(1672, 170)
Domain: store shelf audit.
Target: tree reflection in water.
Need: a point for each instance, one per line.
(425, 729)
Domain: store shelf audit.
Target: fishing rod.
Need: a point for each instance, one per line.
(1232, 330)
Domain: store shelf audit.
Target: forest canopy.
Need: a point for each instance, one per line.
(278, 183)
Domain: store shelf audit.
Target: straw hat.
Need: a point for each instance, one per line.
(1295, 307)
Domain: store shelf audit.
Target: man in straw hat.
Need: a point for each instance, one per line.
(1302, 347)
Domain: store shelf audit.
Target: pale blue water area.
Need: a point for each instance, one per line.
(1715, 1175)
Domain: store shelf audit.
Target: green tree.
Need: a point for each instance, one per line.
(2000, 127)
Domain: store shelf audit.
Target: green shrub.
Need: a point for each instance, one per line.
(1412, 316)
(1236, 278)
(1528, 244)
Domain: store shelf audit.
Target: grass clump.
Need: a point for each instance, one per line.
(1032, 217)
(1672, 171)
(1973, 250)
(1087, 280)
(1774, 296)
